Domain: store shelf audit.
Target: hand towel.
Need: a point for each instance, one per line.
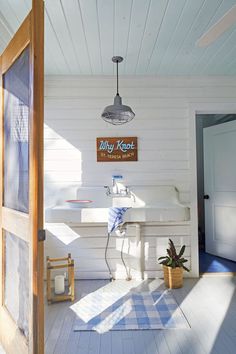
(115, 218)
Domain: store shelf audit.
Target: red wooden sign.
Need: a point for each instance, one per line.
(117, 149)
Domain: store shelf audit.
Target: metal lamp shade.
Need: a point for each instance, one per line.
(117, 113)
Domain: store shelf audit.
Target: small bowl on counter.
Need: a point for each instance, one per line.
(78, 203)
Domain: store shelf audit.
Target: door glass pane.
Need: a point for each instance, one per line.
(16, 134)
(16, 290)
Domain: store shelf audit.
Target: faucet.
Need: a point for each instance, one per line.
(117, 191)
(115, 188)
(124, 192)
(108, 190)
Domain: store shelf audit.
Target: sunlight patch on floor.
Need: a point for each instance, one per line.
(111, 320)
(215, 319)
(108, 295)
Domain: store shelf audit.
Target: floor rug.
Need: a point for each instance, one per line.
(133, 311)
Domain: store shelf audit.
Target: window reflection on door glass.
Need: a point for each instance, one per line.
(16, 134)
(16, 290)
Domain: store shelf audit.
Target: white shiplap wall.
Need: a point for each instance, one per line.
(88, 249)
(162, 124)
(73, 106)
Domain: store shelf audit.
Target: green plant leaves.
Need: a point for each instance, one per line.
(172, 259)
(182, 251)
(185, 268)
(163, 262)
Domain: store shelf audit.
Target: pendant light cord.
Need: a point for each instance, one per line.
(117, 83)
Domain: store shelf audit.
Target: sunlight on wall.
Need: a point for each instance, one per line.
(62, 232)
(62, 168)
(129, 247)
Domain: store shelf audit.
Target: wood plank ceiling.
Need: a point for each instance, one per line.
(156, 37)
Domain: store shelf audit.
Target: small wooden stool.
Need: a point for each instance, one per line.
(70, 293)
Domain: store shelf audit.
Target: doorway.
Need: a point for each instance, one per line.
(216, 144)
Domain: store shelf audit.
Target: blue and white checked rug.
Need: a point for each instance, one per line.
(134, 311)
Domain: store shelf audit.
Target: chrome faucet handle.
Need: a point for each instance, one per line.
(127, 190)
(108, 191)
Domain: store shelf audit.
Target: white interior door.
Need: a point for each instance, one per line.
(220, 186)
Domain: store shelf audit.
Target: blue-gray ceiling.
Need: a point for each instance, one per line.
(156, 37)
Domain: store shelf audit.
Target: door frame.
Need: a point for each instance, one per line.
(31, 32)
(194, 109)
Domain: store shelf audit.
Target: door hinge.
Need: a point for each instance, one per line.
(41, 235)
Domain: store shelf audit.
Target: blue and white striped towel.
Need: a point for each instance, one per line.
(115, 218)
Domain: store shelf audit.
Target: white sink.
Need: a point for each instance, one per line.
(147, 204)
(158, 214)
(100, 215)
(75, 215)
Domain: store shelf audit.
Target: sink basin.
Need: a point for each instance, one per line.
(157, 214)
(147, 204)
(76, 215)
(100, 215)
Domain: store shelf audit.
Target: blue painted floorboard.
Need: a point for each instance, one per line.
(210, 264)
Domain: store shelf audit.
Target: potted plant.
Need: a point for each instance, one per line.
(173, 266)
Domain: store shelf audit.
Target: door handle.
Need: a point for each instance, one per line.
(206, 196)
(41, 235)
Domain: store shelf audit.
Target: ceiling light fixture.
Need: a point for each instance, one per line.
(117, 113)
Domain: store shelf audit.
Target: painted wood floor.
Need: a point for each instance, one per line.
(209, 304)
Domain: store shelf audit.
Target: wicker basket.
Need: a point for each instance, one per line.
(173, 277)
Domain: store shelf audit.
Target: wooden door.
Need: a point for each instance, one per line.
(220, 189)
(21, 188)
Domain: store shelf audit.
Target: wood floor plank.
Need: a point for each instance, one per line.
(139, 344)
(127, 342)
(66, 329)
(160, 341)
(149, 341)
(84, 341)
(128, 346)
(105, 344)
(116, 343)
(190, 340)
(73, 341)
(171, 341)
(95, 342)
(54, 331)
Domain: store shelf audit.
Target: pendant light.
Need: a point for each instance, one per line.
(117, 113)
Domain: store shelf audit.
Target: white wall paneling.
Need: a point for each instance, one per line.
(164, 124)
(73, 106)
(88, 249)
